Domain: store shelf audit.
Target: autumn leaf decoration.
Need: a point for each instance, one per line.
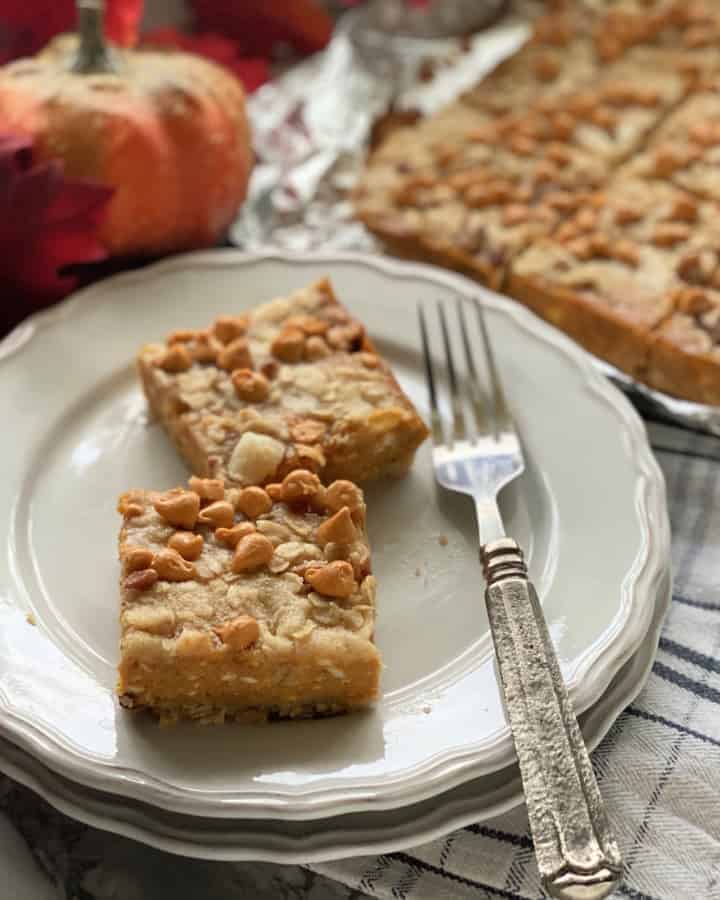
(47, 223)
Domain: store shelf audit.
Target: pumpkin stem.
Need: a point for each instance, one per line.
(94, 55)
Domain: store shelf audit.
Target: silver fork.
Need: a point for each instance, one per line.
(576, 853)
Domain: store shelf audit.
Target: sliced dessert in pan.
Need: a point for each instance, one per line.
(614, 272)
(486, 195)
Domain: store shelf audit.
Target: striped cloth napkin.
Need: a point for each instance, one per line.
(658, 768)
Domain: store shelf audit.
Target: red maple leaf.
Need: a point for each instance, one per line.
(47, 223)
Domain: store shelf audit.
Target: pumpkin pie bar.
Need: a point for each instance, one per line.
(293, 384)
(246, 603)
(615, 271)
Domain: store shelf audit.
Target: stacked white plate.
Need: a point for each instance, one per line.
(436, 752)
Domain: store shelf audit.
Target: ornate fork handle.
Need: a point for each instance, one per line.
(576, 854)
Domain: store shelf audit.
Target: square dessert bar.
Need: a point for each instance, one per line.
(293, 384)
(246, 602)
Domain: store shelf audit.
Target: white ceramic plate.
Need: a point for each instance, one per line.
(321, 840)
(590, 512)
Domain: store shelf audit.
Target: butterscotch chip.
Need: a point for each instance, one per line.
(667, 161)
(175, 359)
(129, 509)
(252, 552)
(581, 248)
(141, 580)
(698, 37)
(338, 529)
(205, 348)
(600, 245)
(289, 345)
(625, 215)
(253, 502)
(308, 324)
(187, 544)
(181, 336)
(269, 369)
(316, 348)
(561, 200)
(344, 493)
(515, 214)
(233, 536)
(609, 47)
(178, 507)
(625, 251)
(239, 633)
(697, 267)
(228, 328)
(336, 579)
(250, 386)
(235, 355)
(300, 486)
(586, 219)
(563, 126)
(135, 558)
(558, 153)
(523, 146)
(684, 210)
(670, 233)
(170, 566)
(547, 68)
(581, 104)
(647, 97)
(568, 231)
(274, 491)
(207, 488)
(694, 301)
(218, 515)
(369, 361)
(545, 171)
(707, 134)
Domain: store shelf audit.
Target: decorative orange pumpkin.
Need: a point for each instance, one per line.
(167, 130)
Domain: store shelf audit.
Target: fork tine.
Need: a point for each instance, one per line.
(501, 414)
(476, 391)
(458, 414)
(435, 420)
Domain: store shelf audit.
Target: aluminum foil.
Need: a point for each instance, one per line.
(312, 126)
